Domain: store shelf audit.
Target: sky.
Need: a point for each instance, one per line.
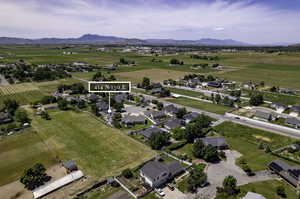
(252, 21)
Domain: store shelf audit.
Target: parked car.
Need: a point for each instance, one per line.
(160, 192)
(171, 187)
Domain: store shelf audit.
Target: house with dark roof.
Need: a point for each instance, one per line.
(171, 110)
(131, 120)
(214, 84)
(5, 118)
(91, 97)
(264, 115)
(216, 141)
(190, 117)
(119, 98)
(293, 121)
(295, 111)
(148, 132)
(173, 123)
(279, 107)
(155, 173)
(102, 106)
(156, 85)
(289, 173)
(287, 91)
(155, 115)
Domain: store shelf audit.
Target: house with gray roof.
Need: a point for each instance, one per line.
(171, 110)
(148, 132)
(102, 106)
(295, 111)
(279, 107)
(264, 115)
(155, 115)
(289, 173)
(155, 173)
(173, 123)
(190, 116)
(131, 120)
(5, 118)
(119, 98)
(216, 141)
(293, 121)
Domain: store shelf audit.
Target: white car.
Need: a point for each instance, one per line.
(160, 192)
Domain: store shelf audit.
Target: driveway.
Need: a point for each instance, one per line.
(217, 172)
(176, 194)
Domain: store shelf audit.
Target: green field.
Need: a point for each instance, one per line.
(205, 106)
(268, 189)
(21, 151)
(185, 92)
(246, 140)
(99, 150)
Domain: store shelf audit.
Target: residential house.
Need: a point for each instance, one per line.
(264, 115)
(279, 107)
(102, 106)
(190, 117)
(156, 85)
(216, 141)
(155, 115)
(155, 173)
(5, 118)
(287, 91)
(156, 91)
(92, 98)
(214, 84)
(290, 173)
(111, 67)
(295, 111)
(173, 123)
(148, 132)
(119, 98)
(171, 110)
(293, 121)
(131, 120)
(251, 195)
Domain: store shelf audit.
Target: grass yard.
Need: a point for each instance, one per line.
(21, 151)
(185, 92)
(100, 151)
(215, 108)
(246, 139)
(268, 189)
(155, 75)
(101, 193)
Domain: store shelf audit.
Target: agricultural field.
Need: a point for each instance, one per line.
(100, 151)
(205, 106)
(155, 75)
(246, 140)
(21, 151)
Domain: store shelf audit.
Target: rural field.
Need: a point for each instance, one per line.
(21, 151)
(246, 140)
(214, 108)
(99, 151)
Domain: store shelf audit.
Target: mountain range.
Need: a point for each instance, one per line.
(99, 39)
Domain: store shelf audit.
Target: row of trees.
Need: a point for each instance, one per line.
(204, 57)
(206, 152)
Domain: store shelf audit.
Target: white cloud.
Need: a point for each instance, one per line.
(250, 23)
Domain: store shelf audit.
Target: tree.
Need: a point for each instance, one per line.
(174, 61)
(81, 104)
(62, 104)
(45, 115)
(146, 83)
(127, 173)
(160, 106)
(210, 154)
(11, 106)
(211, 78)
(217, 98)
(256, 99)
(22, 116)
(181, 112)
(280, 190)
(273, 89)
(118, 106)
(94, 109)
(229, 185)
(198, 149)
(158, 140)
(34, 177)
(267, 148)
(178, 134)
(196, 179)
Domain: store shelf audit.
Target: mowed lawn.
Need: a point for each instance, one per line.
(155, 75)
(268, 189)
(21, 151)
(205, 106)
(99, 150)
(246, 140)
(185, 92)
